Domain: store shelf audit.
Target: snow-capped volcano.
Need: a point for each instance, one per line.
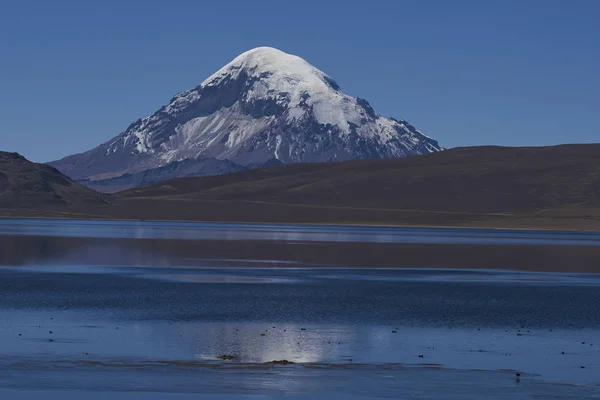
(263, 106)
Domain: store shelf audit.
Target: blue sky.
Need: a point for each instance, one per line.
(75, 73)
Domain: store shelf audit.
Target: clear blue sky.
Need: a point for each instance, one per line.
(75, 73)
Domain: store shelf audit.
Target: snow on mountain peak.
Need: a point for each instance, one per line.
(269, 61)
(293, 82)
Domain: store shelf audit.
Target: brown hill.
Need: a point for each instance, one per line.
(463, 180)
(24, 184)
(537, 187)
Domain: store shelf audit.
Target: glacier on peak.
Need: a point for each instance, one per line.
(288, 80)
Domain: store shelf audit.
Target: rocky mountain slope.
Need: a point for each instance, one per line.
(265, 106)
(24, 184)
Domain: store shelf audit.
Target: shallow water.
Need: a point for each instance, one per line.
(84, 329)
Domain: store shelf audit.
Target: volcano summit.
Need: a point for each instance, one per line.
(264, 107)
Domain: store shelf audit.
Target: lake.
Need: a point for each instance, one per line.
(94, 320)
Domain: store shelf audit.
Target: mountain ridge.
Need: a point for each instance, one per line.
(482, 179)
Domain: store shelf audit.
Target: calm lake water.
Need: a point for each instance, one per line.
(75, 328)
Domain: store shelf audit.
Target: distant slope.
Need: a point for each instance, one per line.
(185, 168)
(468, 180)
(24, 184)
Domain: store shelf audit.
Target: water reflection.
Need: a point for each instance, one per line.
(90, 337)
(258, 343)
(82, 297)
(55, 250)
(291, 233)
